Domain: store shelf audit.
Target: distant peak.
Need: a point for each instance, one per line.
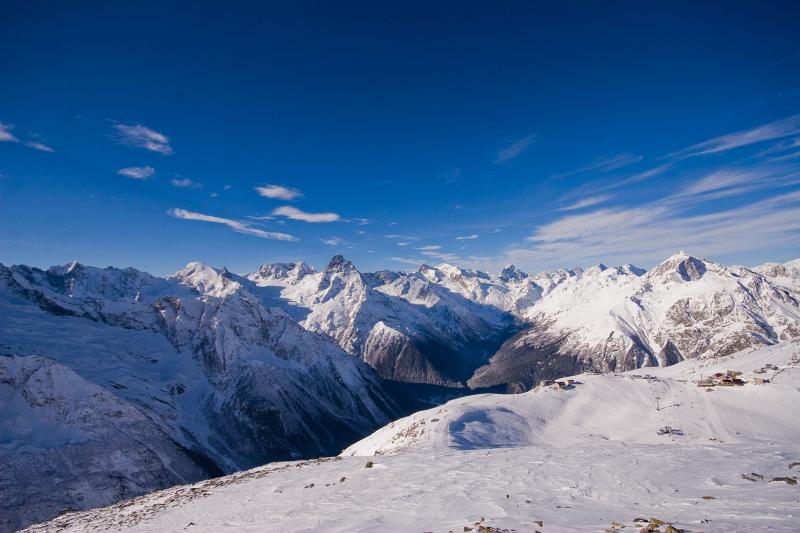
(633, 269)
(449, 269)
(197, 266)
(72, 267)
(679, 255)
(198, 270)
(296, 270)
(339, 264)
(512, 273)
(682, 265)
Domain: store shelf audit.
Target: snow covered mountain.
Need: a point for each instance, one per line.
(114, 383)
(121, 383)
(600, 318)
(622, 318)
(408, 327)
(784, 274)
(614, 452)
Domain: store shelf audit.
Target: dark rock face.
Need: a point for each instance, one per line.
(523, 361)
(669, 355)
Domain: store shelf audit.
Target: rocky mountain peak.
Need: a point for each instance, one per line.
(628, 268)
(284, 271)
(512, 273)
(206, 279)
(339, 273)
(339, 264)
(680, 266)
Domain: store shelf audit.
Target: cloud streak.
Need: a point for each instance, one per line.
(467, 237)
(513, 150)
(407, 261)
(767, 132)
(7, 136)
(143, 137)
(185, 183)
(604, 164)
(654, 230)
(39, 146)
(137, 173)
(279, 192)
(332, 241)
(441, 256)
(235, 225)
(587, 202)
(5, 133)
(296, 214)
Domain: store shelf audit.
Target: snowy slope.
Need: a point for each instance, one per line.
(629, 406)
(578, 459)
(195, 360)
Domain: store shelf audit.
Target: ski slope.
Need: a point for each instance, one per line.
(577, 459)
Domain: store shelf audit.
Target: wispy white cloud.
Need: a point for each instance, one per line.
(404, 243)
(185, 183)
(401, 237)
(296, 214)
(513, 150)
(143, 137)
(452, 175)
(7, 136)
(652, 231)
(597, 187)
(137, 173)
(641, 176)
(733, 182)
(781, 151)
(332, 241)
(441, 256)
(429, 248)
(587, 202)
(407, 261)
(279, 192)
(467, 237)
(5, 133)
(604, 164)
(767, 132)
(38, 146)
(361, 221)
(235, 225)
(433, 254)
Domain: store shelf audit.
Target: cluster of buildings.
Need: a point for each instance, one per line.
(733, 378)
(729, 378)
(558, 384)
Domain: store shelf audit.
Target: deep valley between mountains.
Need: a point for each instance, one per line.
(115, 383)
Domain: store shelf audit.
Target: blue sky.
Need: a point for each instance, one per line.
(479, 134)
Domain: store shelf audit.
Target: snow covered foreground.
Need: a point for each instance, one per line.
(578, 459)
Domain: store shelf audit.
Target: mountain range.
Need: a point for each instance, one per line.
(115, 383)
